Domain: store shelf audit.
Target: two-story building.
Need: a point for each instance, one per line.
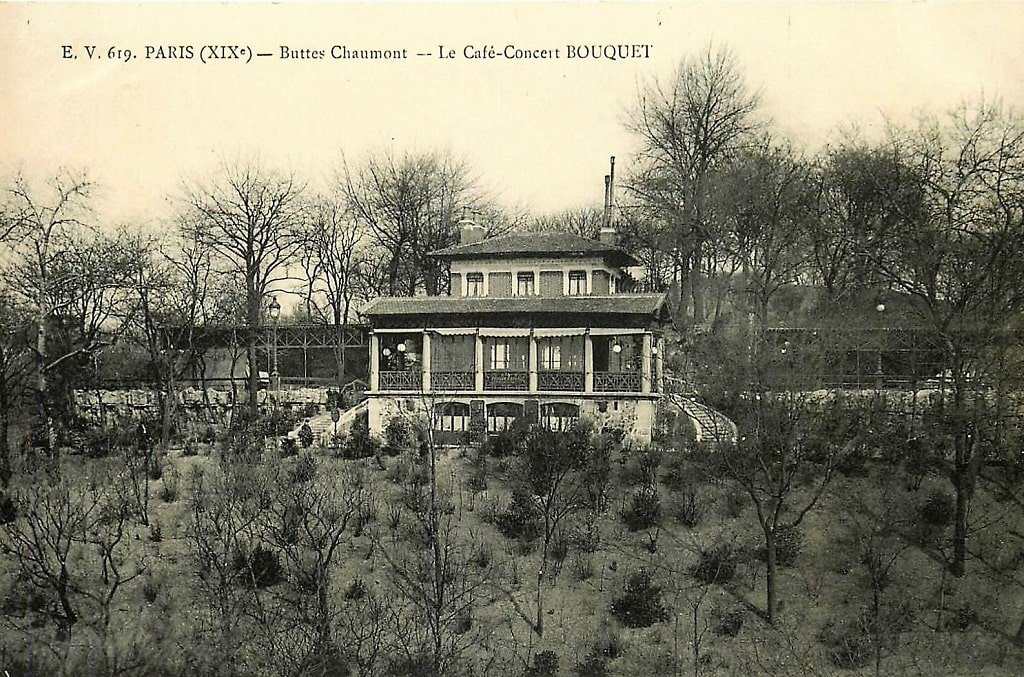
(536, 326)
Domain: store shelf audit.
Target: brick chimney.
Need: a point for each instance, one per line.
(470, 232)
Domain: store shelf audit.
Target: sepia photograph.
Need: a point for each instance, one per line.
(538, 339)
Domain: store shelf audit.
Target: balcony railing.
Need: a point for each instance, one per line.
(401, 380)
(506, 380)
(452, 380)
(617, 381)
(560, 380)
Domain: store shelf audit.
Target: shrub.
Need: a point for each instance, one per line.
(728, 622)
(155, 532)
(303, 470)
(582, 568)
(504, 444)
(716, 564)
(150, 590)
(644, 511)
(688, 508)
(937, 509)
(400, 437)
(305, 435)
(7, 510)
(169, 489)
(356, 589)
(260, 568)
(191, 448)
(640, 604)
(359, 443)
(789, 542)
(289, 447)
(962, 619)
(520, 520)
(483, 555)
(734, 502)
(310, 409)
(592, 666)
(156, 467)
(849, 647)
(545, 664)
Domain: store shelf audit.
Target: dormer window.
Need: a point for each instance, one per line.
(525, 284)
(577, 282)
(474, 284)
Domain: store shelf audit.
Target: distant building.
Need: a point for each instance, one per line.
(536, 326)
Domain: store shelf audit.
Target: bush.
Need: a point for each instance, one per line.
(169, 489)
(716, 565)
(400, 437)
(504, 444)
(937, 509)
(289, 447)
(961, 619)
(545, 664)
(150, 590)
(520, 520)
(849, 647)
(688, 508)
(156, 534)
(592, 666)
(644, 511)
(303, 469)
(640, 604)
(734, 502)
(728, 622)
(356, 589)
(7, 510)
(359, 443)
(260, 568)
(305, 435)
(789, 542)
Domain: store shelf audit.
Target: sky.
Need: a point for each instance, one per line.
(537, 132)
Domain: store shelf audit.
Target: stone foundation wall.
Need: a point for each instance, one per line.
(633, 415)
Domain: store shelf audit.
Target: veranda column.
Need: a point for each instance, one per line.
(478, 363)
(533, 363)
(659, 365)
(645, 367)
(425, 361)
(374, 362)
(588, 363)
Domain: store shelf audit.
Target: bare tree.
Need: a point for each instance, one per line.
(688, 127)
(959, 256)
(54, 544)
(583, 221)
(253, 222)
(337, 271)
(410, 204)
(44, 226)
(784, 459)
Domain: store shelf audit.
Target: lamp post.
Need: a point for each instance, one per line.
(274, 310)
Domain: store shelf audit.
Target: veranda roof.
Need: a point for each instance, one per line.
(651, 305)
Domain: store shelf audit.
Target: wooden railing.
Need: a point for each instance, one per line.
(560, 380)
(452, 380)
(506, 380)
(615, 381)
(401, 380)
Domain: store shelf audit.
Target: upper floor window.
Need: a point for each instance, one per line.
(500, 355)
(525, 284)
(474, 284)
(550, 355)
(577, 282)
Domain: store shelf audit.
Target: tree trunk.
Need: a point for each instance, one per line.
(770, 573)
(253, 300)
(5, 444)
(41, 432)
(958, 565)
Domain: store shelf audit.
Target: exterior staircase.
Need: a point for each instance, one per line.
(322, 425)
(710, 425)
